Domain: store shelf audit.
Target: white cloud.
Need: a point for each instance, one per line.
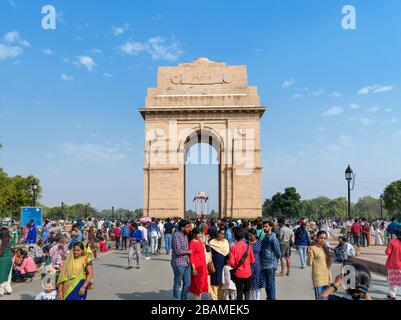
(332, 111)
(9, 51)
(133, 48)
(11, 37)
(344, 141)
(48, 52)
(11, 47)
(107, 75)
(393, 120)
(377, 88)
(160, 49)
(95, 50)
(86, 61)
(287, 83)
(85, 152)
(117, 31)
(25, 43)
(367, 121)
(372, 110)
(388, 110)
(316, 93)
(321, 128)
(157, 47)
(297, 96)
(120, 30)
(66, 77)
(157, 16)
(354, 106)
(60, 17)
(336, 94)
(384, 89)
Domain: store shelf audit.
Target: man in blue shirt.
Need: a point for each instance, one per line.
(269, 255)
(124, 236)
(135, 239)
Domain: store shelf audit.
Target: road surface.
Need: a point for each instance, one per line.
(154, 280)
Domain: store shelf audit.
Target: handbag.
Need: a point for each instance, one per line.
(211, 268)
(232, 271)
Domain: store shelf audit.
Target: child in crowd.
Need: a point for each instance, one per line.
(230, 290)
(103, 245)
(36, 252)
(49, 289)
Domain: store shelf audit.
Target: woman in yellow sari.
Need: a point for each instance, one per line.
(76, 274)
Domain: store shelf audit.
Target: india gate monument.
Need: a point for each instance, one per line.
(202, 102)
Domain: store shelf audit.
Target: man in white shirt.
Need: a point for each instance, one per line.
(100, 224)
(144, 230)
(344, 250)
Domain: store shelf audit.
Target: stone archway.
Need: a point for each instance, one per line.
(202, 100)
(211, 138)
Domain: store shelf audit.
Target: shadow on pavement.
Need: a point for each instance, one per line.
(25, 296)
(158, 259)
(155, 295)
(114, 265)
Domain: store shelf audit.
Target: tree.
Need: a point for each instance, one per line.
(337, 208)
(190, 215)
(16, 192)
(138, 213)
(392, 197)
(267, 208)
(368, 207)
(287, 203)
(214, 214)
(315, 208)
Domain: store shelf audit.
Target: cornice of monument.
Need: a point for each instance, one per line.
(188, 111)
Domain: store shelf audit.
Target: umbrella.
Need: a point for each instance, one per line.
(145, 219)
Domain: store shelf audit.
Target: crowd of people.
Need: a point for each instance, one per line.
(226, 259)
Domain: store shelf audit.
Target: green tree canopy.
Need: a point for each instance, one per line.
(287, 203)
(16, 192)
(368, 207)
(392, 197)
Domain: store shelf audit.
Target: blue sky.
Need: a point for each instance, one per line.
(69, 97)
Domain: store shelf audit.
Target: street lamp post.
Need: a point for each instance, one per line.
(381, 207)
(348, 177)
(62, 210)
(34, 187)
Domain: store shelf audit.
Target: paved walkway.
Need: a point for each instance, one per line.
(155, 278)
(373, 257)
